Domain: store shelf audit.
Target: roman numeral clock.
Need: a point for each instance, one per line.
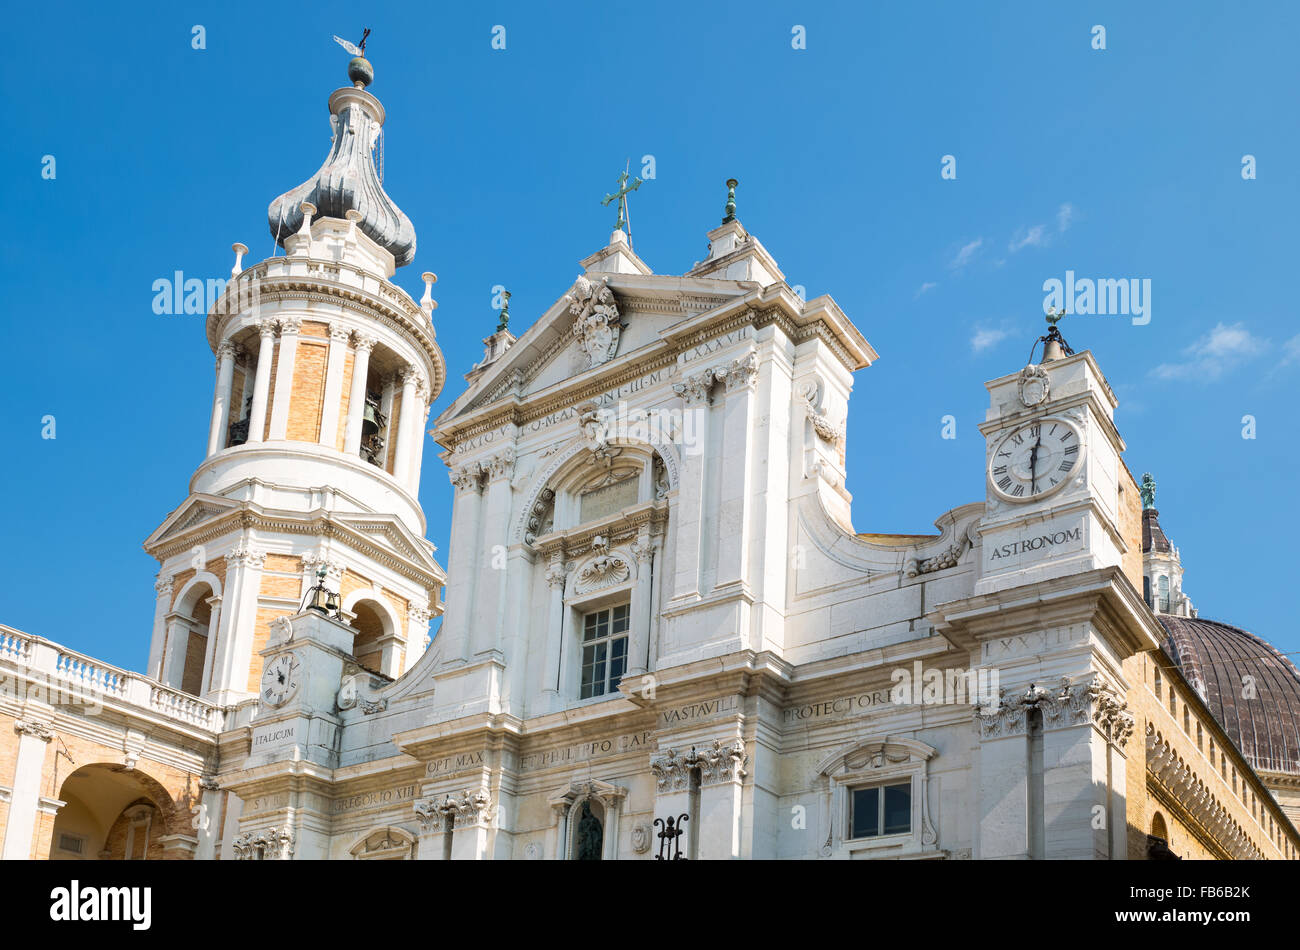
(1034, 460)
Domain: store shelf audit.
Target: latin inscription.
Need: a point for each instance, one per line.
(272, 737)
(709, 347)
(836, 708)
(452, 764)
(1036, 544)
(378, 799)
(586, 750)
(693, 712)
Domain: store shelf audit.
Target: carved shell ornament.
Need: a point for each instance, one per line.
(596, 321)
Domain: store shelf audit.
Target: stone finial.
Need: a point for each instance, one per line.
(427, 303)
(240, 250)
(730, 210)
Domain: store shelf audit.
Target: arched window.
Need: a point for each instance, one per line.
(1163, 589)
(1159, 683)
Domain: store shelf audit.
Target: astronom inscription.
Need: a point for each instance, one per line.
(1036, 544)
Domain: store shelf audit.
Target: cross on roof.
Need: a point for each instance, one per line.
(621, 196)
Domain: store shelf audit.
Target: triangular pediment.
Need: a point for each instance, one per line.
(551, 352)
(388, 532)
(194, 511)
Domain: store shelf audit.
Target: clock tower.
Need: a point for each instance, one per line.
(1052, 475)
(1055, 612)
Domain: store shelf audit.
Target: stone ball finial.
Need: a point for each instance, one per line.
(361, 72)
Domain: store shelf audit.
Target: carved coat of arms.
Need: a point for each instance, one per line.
(596, 321)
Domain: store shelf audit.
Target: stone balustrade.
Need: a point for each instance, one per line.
(69, 678)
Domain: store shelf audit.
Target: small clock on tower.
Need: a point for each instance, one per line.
(280, 679)
(1034, 460)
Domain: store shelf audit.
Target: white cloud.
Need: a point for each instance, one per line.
(925, 288)
(1291, 351)
(966, 254)
(1033, 237)
(1064, 217)
(986, 337)
(1221, 350)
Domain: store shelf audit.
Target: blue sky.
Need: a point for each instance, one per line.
(1116, 163)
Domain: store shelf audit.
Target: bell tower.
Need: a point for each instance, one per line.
(325, 370)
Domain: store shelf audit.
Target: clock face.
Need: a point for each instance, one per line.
(1034, 460)
(280, 679)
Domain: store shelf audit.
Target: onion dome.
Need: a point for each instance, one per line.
(1250, 688)
(349, 181)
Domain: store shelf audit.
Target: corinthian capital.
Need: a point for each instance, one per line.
(501, 465)
(720, 763)
(228, 350)
(739, 374)
(289, 326)
(266, 328)
(245, 557)
(364, 342)
(33, 728)
(467, 477)
(695, 389)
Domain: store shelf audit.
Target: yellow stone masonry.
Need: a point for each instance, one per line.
(307, 399)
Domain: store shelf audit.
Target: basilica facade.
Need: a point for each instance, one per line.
(660, 634)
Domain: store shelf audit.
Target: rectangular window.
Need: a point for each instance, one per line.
(880, 810)
(604, 650)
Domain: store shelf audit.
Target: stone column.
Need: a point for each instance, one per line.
(210, 654)
(284, 378)
(490, 603)
(722, 773)
(357, 396)
(733, 528)
(164, 587)
(421, 436)
(233, 653)
(555, 575)
(334, 366)
(178, 640)
(695, 392)
(1003, 789)
(642, 608)
(431, 845)
(408, 425)
(673, 798)
(34, 737)
(262, 381)
(217, 432)
(462, 560)
(473, 819)
(207, 819)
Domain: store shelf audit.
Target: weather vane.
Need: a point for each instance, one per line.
(620, 196)
(360, 71)
(359, 49)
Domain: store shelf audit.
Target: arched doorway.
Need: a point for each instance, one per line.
(116, 813)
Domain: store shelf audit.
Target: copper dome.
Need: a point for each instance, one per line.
(1262, 715)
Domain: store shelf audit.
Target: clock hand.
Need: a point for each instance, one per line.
(1033, 463)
